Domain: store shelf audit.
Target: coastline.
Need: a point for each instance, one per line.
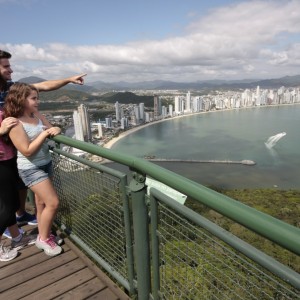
(114, 140)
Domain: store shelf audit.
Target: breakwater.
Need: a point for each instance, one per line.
(246, 162)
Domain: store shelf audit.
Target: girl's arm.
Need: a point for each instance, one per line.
(51, 130)
(21, 141)
(43, 119)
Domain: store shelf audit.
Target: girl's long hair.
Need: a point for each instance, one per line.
(16, 99)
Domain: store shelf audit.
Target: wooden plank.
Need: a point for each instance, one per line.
(83, 291)
(62, 286)
(105, 294)
(71, 275)
(100, 274)
(25, 252)
(50, 277)
(24, 264)
(41, 267)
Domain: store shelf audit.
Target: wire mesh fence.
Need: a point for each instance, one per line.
(196, 265)
(91, 208)
(192, 263)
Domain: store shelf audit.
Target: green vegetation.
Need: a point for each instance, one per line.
(195, 265)
(58, 106)
(64, 95)
(283, 205)
(127, 98)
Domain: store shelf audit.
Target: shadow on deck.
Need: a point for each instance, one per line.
(70, 275)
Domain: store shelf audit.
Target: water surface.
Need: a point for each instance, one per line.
(226, 135)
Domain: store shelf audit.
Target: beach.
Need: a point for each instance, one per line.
(110, 143)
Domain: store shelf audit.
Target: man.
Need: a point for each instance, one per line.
(5, 83)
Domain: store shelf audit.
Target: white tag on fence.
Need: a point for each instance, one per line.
(177, 196)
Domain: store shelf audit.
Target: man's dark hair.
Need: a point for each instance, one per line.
(4, 54)
(3, 83)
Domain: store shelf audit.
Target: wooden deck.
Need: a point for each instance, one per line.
(71, 275)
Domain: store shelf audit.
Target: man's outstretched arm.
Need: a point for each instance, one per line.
(51, 85)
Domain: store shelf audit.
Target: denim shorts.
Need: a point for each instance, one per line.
(36, 175)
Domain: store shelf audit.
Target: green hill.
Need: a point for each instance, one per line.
(64, 95)
(126, 98)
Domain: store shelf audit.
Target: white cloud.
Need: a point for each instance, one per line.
(243, 40)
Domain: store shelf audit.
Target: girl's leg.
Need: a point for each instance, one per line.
(47, 204)
(39, 207)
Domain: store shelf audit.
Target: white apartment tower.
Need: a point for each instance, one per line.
(100, 131)
(78, 126)
(86, 124)
(258, 96)
(118, 111)
(82, 124)
(188, 101)
(136, 111)
(142, 111)
(108, 122)
(179, 104)
(170, 110)
(157, 107)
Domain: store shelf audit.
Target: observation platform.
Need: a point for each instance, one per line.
(70, 275)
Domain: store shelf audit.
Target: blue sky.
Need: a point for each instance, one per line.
(135, 40)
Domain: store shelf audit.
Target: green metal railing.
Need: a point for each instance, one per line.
(184, 255)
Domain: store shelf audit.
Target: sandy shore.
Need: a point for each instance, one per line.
(109, 144)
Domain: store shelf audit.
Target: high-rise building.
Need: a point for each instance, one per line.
(108, 122)
(134, 120)
(170, 110)
(100, 131)
(86, 124)
(258, 96)
(147, 117)
(197, 104)
(78, 126)
(82, 124)
(157, 107)
(188, 101)
(136, 111)
(179, 104)
(142, 111)
(118, 111)
(124, 123)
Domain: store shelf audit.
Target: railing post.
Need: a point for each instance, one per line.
(141, 235)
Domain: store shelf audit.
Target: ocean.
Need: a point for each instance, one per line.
(240, 134)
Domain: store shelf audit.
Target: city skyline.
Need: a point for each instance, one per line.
(133, 115)
(186, 41)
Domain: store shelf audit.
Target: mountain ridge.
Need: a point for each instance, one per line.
(97, 86)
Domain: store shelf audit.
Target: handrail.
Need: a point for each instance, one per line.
(265, 225)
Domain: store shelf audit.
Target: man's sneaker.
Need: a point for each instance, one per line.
(24, 241)
(57, 239)
(26, 219)
(49, 246)
(7, 254)
(7, 234)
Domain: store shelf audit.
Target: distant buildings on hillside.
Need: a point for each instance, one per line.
(131, 115)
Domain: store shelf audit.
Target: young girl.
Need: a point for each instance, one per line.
(34, 160)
